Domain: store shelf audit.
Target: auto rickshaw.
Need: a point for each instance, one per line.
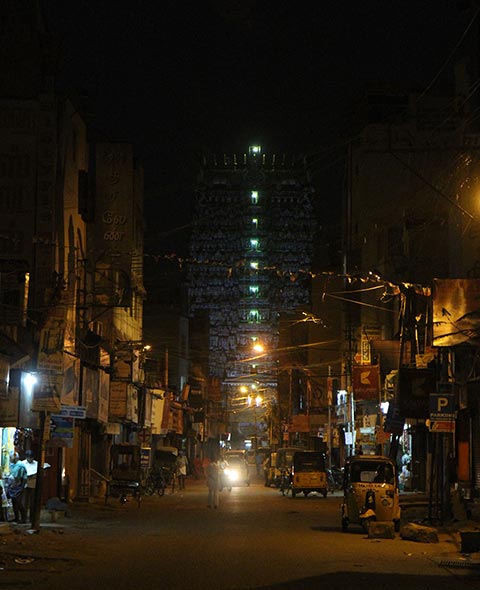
(278, 468)
(370, 488)
(125, 473)
(309, 473)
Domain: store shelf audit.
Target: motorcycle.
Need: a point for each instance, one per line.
(334, 479)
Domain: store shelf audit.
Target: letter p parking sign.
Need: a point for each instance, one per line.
(442, 406)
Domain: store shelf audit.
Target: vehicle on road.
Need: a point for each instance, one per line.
(334, 478)
(234, 472)
(164, 465)
(155, 483)
(125, 473)
(277, 467)
(237, 454)
(370, 487)
(309, 473)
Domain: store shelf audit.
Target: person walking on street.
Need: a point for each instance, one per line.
(213, 484)
(17, 480)
(182, 464)
(31, 467)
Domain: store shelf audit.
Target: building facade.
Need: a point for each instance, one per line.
(410, 242)
(251, 252)
(71, 273)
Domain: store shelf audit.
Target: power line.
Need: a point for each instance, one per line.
(452, 53)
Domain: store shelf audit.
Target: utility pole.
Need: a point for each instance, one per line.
(37, 499)
(347, 246)
(166, 368)
(329, 426)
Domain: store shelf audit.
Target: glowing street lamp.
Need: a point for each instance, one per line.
(258, 347)
(256, 402)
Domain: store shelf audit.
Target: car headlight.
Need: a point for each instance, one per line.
(232, 474)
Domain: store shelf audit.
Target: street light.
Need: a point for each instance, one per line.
(256, 402)
(258, 347)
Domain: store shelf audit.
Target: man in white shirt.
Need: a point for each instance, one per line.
(29, 494)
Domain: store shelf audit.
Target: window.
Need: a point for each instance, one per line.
(253, 289)
(254, 243)
(254, 197)
(253, 316)
(255, 222)
(254, 150)
(254, 265)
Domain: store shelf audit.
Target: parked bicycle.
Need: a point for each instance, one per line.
(156, 483)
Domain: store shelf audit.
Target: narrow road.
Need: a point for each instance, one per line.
(256, 539)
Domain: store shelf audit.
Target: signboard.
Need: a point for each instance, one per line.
(91, 382)
(442, 426)
(47, 393)
(114, 222)
(145, 437)
(455, 311)
(394, 421)
(61, 431)
(442, 406)
(414, 387)
(79, 412)
(118, 400)
(158, 402)
(329, 390)
(71, 380)
(366, 382)
(300, 423)
(50, 352)
(381, 436)
(366, 358)
(145, 453)
(9, 404)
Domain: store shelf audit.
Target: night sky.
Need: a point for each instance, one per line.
(181, 78)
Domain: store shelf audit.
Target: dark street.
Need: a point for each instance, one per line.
(256, 539)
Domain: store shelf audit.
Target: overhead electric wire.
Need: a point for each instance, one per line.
(360, 303)
(451, 54)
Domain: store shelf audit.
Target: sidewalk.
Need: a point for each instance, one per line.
(462, 532)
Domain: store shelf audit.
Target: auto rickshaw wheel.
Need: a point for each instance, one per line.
(306, 492)
(396, 525)
(344, 524)
(366, 523)
(294, 492)
(324, 493)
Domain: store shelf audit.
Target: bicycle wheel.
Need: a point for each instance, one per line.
(149, 487)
